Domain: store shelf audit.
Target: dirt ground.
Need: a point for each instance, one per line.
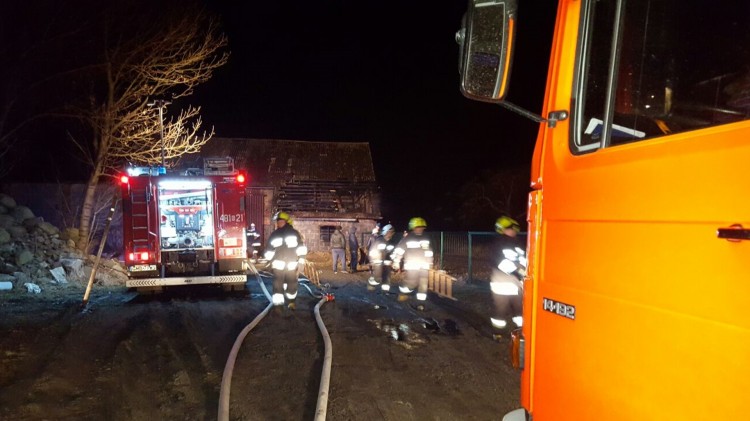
(132, 357)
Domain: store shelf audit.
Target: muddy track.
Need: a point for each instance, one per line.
(130, 357)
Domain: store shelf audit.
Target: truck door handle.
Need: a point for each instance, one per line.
(734, 232)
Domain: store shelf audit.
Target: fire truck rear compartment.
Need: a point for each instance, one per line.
(188, 261)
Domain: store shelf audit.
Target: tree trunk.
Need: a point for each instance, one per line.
(87, 210)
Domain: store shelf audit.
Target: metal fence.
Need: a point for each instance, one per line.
(463, 253)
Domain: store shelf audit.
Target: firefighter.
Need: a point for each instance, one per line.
(253, 242)
(416, 252)
(506, 281)
(380, 252)
(285, 250)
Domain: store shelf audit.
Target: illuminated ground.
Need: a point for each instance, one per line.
(129, 357)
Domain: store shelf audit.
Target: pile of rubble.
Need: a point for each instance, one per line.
(36, 257)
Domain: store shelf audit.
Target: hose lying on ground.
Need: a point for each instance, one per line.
(226, 380)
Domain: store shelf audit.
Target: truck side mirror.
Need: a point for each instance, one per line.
(486, 44)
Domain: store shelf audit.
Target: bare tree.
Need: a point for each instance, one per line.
(141, 63)
(494, 193)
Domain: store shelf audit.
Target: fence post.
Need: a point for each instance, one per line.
(468, 253)
(442, 244)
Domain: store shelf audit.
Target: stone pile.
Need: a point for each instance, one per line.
(36, 256)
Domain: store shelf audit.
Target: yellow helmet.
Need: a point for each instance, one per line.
(416, 223)
(506, 222)
(282, 215)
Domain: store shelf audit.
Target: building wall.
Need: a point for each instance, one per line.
(310, 230)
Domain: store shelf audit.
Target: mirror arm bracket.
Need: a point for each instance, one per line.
(552, 118)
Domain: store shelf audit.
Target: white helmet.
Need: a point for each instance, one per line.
(387, 228)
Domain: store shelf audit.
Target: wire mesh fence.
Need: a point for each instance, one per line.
(467, 255)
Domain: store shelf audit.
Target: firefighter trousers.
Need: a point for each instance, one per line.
(381, 273)
(415, 279)
(285, 282)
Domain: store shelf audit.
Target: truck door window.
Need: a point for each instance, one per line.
(672, 66)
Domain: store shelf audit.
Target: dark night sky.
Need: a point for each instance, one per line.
(383, 72)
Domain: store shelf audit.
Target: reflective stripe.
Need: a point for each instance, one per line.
(372, 281)
(385, 287)
(399, 251)
(277, 242)
(522, 260)
(291, 265)
(413, 244)
(388, 262)
(421, 296)
(504, 288)
(302, 250)
(389, 247)
(381, 246)
(269, 255)
(278, 264)
(510, 254)
(428, 253)
(520, 251)
(405, 290)
(425, 244)
(291, 296)
(518, 320)
(498, 323)
(507, 266)
(291, 241)
(277, 299)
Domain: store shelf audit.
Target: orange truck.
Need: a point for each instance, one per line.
(639, 207)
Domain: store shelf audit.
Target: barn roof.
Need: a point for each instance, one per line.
(271, 161)
(307, 177)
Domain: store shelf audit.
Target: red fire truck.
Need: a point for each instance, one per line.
(184, 228)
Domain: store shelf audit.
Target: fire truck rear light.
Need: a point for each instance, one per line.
(240, 178)
(131, 256)
(124, 179)
(144, 255)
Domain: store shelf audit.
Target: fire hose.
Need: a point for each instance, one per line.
(226, 380)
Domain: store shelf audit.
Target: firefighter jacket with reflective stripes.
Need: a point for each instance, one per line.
(415, 250)
(507, 276)
(285, 244)
(380, 251)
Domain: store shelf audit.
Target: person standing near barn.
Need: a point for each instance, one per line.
(353, 249)
(285, 250)
(338, 249)
(416, 253)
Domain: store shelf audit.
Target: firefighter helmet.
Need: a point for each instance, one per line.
(416, 223)
(506, 222)
(282, 215)
(387, 229)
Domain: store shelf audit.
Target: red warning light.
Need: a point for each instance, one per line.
(240, 178)
(124, 179)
